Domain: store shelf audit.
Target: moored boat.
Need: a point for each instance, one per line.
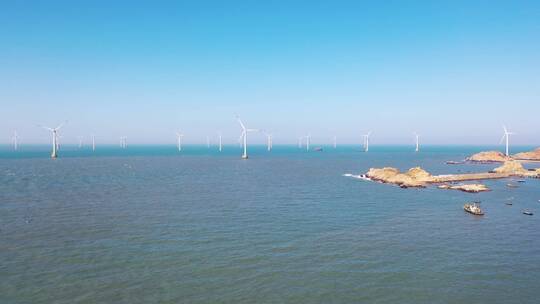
(527, 212)
(473, 209)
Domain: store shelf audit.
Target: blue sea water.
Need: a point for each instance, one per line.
(151, 225)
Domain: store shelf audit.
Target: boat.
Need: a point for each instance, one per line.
(318, 149)
(521, 181)
(512, 186)
(509, 203)
(453, 162)
(473, 209)
(527, 212)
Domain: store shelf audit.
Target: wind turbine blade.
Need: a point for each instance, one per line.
(240, 122)
(505, 130)
(46, 128)
(502, 138)
(253, 130)
(61, 125)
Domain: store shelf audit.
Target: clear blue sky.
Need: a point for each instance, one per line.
(452, 70)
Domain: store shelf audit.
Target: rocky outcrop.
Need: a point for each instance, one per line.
(532, 155)
(415, 177)
(488, 157)
(471, 188)
(511, 167)
(418, 177)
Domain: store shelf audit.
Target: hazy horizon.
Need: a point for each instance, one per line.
(453, 72)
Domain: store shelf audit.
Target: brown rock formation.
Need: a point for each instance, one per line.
(415, 177)
(532, 155)
(488, 157)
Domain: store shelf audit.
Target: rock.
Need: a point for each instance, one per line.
(472, 188)
(415, 177)
(488, 157)
(511, 167)
(532, 155)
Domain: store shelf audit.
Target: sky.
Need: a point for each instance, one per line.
(453, 71)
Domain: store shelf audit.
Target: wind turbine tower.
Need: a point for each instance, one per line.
(366, 141)
(506, 136)
(15, 139)
(220, 142)
(243, 136)
(308, 138)
(179, 136)
(417, 143)
(54, 133)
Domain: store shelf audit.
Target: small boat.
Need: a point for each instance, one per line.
(453, 162)
(318, 149)
(473, 209)
(527, 212)
(521, 181)
(509, 203)
(512, 186)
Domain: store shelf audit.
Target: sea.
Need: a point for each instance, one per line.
(150, 224)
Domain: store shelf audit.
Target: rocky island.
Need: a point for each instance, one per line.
(418, 177)
(498, 157)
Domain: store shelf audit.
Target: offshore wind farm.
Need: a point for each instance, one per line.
(269, 152)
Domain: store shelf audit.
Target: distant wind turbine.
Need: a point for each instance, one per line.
(123, 142)
(506, 135)
(417, 143)
(268, 141)
(93, 142)
(80, 139)
(179, 136)
(335, 142)
(300, 142)
(308, 138)
(366, 141)
(220, 142)
(243, 136)
(55, 145)
(15, 140)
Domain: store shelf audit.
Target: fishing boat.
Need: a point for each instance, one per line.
(509, 203)
(473, 209)
(527, 212)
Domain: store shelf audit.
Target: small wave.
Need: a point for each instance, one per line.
(361, 176)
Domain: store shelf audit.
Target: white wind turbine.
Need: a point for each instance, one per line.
(179, 136)
(506, 136)
(300, 142)
(80, 139)
(269, 142)
(220, 142)
(417, 142)
(123, 142)
(366, 141)
(243, 136)
(54, 132)
(308, 138)
(335, 141)
(93, 142)
(15, 140)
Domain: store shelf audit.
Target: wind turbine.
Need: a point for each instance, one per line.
(220, 142)
(79, 138)
(93, 142)
(299, 142)
(366, 141)
(243, 136)
(335, 141)
(417, 144)
(208, 142)
(179, 136)
(15, 140)
(54, 132)
(308, 137)
(268, 141)
(123, 142)
(506, 136)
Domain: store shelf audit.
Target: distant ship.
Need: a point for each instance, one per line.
(473, 208)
